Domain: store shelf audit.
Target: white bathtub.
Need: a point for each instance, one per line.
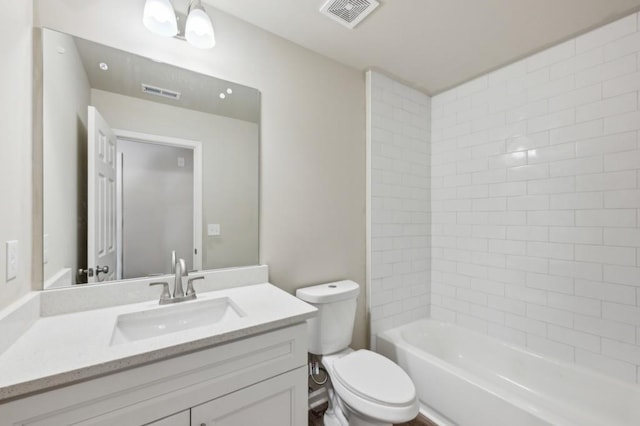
(466, 378)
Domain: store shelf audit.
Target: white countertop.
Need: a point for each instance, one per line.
(62, 349)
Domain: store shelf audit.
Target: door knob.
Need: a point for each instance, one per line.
(102, 270)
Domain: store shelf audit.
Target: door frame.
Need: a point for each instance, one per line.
(196, 146)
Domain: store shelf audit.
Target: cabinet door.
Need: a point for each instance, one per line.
(279, 401)
(180, 419)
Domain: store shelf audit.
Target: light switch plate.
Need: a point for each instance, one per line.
(213, 229)
(12, 259)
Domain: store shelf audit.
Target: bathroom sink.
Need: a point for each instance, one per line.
(164, 320)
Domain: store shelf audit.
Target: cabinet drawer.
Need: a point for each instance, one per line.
(183, 418)
(279, 401)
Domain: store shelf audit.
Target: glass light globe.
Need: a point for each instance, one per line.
(199, 30)
(160, 18)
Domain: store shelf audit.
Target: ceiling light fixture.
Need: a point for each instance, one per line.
(160, 18)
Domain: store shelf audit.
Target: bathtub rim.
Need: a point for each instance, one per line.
(558, 362)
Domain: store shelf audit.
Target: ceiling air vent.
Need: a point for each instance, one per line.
(348, 12)
(158, 91)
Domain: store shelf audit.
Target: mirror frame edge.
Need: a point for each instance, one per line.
(260, 182)
(37, 173)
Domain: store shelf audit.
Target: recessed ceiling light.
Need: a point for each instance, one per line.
(103, 66)
(229, 91)
(222, 96)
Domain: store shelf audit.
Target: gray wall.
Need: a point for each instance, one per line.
(15, 144)
(66, 94)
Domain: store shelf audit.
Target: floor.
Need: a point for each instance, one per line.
(419, 421)
(315, 416)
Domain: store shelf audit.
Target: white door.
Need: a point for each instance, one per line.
(101, 205)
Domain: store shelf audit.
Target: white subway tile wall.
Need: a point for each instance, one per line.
(535, 201)
(400, 209)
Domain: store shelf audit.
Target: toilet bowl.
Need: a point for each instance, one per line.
(372, 389)
(366, 388)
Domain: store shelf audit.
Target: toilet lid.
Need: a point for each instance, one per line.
(374, 377)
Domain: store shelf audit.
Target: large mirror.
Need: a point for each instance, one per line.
(143, 162)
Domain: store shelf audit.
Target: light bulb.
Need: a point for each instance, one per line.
(160, 18)
(199, 30)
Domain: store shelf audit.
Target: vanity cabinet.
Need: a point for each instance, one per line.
(182, 418)
(269, 403)
(261, 379)
(250, 406)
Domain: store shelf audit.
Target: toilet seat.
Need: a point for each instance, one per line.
(371, 376)
(372, 384)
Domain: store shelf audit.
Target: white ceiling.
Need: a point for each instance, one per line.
(432, 44)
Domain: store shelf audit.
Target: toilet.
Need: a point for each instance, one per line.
(367, 388)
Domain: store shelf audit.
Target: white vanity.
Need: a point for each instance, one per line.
(121, 359)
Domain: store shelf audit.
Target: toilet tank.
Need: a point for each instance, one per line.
(331, 330)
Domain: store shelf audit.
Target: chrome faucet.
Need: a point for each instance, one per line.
(181, 271)
(178, 291)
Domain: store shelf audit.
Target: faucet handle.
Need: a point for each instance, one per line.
(190, 289)
(166, 294)
(183, 267)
